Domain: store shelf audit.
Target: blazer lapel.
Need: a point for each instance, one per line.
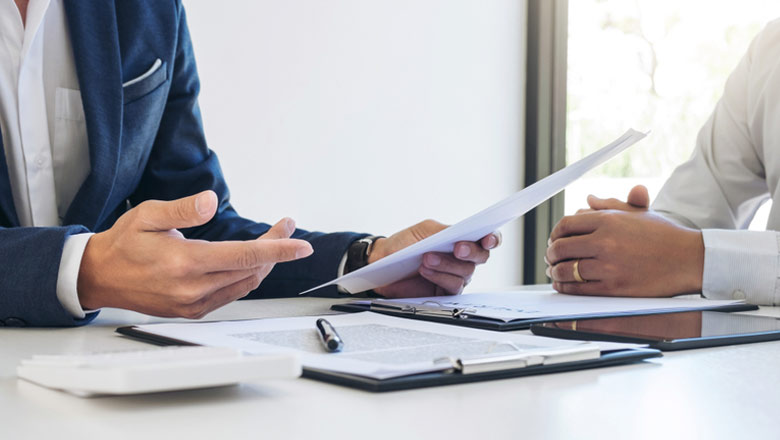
(7, 207)
(95, 40)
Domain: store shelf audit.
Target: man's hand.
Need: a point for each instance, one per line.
(143, 263)
(440, 273)
(623, 249)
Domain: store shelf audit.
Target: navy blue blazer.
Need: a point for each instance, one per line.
(145, 142)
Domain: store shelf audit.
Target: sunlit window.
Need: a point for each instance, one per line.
(655, 65)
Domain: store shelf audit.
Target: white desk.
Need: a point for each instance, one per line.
(731, 392)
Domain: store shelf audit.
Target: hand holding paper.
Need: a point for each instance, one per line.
(405, 263)
(442, 273)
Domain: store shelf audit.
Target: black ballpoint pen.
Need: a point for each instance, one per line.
(330, 339)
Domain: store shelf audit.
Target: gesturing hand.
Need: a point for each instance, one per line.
(623, 249)
(143, 263)
(441, 273)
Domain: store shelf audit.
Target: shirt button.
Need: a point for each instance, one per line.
(738, 294)
(40, 161)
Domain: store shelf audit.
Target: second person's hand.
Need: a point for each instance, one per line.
(624, 249)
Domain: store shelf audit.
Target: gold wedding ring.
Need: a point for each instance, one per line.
(576, 271)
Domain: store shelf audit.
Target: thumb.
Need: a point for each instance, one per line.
(188, 212)
(284, 228)
(427, 228)
(639, 197)
(597, 203)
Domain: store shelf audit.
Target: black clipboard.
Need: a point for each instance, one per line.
(521, 324)
(424, 380)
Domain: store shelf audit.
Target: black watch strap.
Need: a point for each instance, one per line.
(357, 254)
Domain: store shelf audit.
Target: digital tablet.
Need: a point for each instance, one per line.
(670, 331)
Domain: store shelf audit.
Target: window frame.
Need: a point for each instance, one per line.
(545, 124)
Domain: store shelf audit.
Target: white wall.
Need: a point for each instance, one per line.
(366, 115)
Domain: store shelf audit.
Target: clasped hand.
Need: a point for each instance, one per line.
(624, 249)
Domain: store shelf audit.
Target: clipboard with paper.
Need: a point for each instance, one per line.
(383, 353)
(405, 262)
(518, 309)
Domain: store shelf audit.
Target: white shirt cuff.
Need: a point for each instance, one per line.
(340, 274)
(741, 265)
(68, 276)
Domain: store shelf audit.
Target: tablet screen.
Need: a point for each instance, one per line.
(672, 326)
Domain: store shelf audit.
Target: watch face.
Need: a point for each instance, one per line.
(357, 255)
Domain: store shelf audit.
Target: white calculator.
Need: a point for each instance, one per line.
(154, 370)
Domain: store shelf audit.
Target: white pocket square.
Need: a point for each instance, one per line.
(148, 73)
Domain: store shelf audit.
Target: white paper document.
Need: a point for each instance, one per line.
(527, 305)
(375, 346)
(405, 262)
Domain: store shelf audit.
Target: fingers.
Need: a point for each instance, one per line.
(569, 248)
(472, 252)
(224, 296)
(580, 224)
(563, 272)
(284, 228)
(639, 197)
(598, 204)
(188, 212)
(214, 281)
(450, 284)
(491, 241)
(441, 262)
(597, 288)
(237, 255)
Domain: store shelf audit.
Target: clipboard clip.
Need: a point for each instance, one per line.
(520, 359)
(484, 364)
(407, 309)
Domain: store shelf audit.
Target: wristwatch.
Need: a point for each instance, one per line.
(358, 252)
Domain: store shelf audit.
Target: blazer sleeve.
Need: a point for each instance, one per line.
(29, 265)
(181, 164)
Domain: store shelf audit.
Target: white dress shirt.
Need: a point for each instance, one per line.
(734, 168)
(43, 127)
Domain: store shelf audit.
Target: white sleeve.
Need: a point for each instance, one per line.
(68, 275)
(741, 265)
(720, 188)
(723, 184)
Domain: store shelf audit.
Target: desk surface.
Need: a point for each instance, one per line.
(729, 392)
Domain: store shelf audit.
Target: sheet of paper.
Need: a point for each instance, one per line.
(405, 262)
(375, 345)
(518, 305)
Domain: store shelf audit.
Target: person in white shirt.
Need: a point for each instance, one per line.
(693, 238)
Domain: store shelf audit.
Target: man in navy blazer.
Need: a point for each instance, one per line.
(167, 240)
